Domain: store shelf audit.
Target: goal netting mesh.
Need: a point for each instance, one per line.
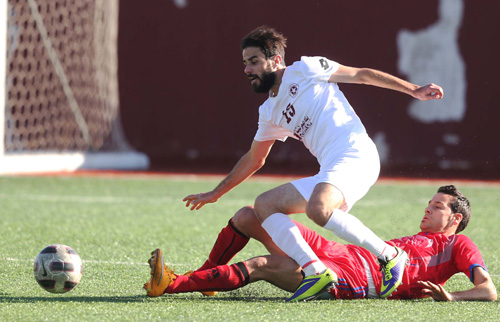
(61, 86)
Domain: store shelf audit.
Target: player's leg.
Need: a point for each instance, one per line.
(228, 243)
(351, 229)
(164, 280)
(323, 209)
(341, 184)
(279, 270)
(272, 208)
(218, 278)
(234, 237)
(246, 222)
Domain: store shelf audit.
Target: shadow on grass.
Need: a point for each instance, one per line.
(227, 298)
(86, 299)
(4, 298)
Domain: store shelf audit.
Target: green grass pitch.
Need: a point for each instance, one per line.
(114, 222)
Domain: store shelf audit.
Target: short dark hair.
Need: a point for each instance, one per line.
(270, 41)
(458, 204)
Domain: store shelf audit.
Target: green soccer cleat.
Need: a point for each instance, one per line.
(313, 286)
(392, 272)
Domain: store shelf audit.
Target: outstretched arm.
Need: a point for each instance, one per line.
(373, 77)
(484, 289)
(252, 161)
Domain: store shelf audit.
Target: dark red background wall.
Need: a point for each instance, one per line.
(186, 103)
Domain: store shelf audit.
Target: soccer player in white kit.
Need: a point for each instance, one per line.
(306, 103)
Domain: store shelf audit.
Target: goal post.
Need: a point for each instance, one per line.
(59, 88)
(3, 58)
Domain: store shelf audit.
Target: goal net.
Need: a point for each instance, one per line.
(60, 88)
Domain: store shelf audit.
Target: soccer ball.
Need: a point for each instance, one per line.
(58, 268)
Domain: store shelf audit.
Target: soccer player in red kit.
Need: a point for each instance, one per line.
(435, 254)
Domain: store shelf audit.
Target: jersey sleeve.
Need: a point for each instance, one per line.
(467, 256)
(317, 68)
(267, 131)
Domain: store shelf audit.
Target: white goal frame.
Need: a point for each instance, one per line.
(3, 62)
(53, 161)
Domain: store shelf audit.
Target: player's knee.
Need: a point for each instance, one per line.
(263, 207)
(265, 263)
(318, 213)
(245, 218)
(275, 264)
(257, 268)
(260, 262)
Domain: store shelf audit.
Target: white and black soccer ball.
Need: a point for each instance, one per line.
(58, 268)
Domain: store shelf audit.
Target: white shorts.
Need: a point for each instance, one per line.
(352, 172)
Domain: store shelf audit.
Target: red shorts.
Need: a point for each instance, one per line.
(343, 260)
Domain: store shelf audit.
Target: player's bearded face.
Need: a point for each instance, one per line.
(264, 82)
(259, 69)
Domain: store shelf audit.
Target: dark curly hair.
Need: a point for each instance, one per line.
(270, 42)
(458, 204)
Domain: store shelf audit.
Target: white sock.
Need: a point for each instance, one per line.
(286, 235)
(352, 230)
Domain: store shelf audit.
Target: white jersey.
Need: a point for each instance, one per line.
(310, 109)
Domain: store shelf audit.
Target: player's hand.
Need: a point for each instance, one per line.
(429, 92)
(197, 201)
(437, 292)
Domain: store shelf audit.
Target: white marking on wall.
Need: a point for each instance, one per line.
(432, 55)
(181, 4)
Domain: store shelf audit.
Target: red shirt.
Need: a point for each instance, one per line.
(433, 257)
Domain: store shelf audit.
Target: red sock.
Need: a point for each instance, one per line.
(229, 242)
(220, 278)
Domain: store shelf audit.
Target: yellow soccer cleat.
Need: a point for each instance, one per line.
(161, 275)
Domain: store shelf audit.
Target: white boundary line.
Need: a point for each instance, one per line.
(10, 259)
(102, 200)
(185, 176)
(83, 199)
